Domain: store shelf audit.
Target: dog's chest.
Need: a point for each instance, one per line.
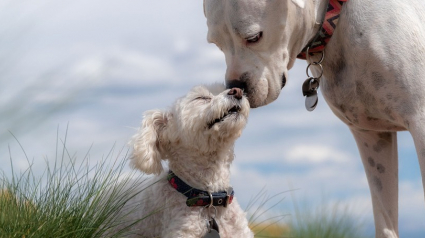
(367, 83)
(364, 102)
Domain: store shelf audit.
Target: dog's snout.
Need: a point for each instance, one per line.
(236, 93)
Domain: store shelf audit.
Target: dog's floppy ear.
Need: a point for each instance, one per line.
(299, 3)
(146, 154)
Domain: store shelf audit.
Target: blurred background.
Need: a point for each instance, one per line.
(95, 66)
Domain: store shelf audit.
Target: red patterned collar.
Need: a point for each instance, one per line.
(196, 197)
(323, 36)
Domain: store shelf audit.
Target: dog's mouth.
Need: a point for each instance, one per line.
(232, 111)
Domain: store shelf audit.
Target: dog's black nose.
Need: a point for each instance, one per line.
(235, 83)
(236, 93)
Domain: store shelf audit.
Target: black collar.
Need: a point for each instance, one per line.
(196, 197)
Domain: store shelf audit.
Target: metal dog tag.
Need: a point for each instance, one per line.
(311, 102)
(212, 229)
(309, 88)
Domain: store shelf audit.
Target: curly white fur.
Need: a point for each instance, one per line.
(200, 152)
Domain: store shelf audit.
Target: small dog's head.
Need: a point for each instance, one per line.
(204, 121)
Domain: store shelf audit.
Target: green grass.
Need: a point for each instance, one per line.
(326, 221)
(76, 199)
(69, 199)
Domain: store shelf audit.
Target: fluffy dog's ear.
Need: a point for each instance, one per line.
(299, 3)
(146, 154)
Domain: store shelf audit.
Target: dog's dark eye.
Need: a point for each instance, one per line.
(255, 38)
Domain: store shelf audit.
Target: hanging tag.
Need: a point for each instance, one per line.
(310, 86)
(212, 229)
(311, 102)
(309, 89)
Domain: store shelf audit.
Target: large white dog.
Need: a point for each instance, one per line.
(373, 73)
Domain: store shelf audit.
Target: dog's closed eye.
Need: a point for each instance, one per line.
(254, 38)
(205, 98)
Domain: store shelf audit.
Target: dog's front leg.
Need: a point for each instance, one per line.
(417, 131)
(380, 160)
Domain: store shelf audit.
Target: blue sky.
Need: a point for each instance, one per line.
(113, 60)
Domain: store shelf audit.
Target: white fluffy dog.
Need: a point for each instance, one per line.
(196, 135)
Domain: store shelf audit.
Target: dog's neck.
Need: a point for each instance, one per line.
(320, 8)
(205, 171)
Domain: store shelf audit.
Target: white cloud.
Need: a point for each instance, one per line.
(139, 69)
(89, 68)
(315, 154)
(411, 208)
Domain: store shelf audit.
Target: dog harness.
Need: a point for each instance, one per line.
(318, 43)
(197, 197)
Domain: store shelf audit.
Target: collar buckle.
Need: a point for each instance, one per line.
(229, 197)
(227, 200)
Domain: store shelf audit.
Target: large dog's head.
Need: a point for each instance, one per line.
(207, 120)
(260, 40)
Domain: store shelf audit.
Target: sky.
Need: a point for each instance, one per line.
(95, 66)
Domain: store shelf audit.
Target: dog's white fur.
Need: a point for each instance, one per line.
(373, 73)
(197, 153)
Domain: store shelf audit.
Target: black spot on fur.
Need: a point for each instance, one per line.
(381, 144)
(371, 119)
(342, 108)
(362, 93)
(407, 108)
(387, 136)
(380, 168)
(366, 145)
(371, 162)
(378, 80)
(338, 68)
